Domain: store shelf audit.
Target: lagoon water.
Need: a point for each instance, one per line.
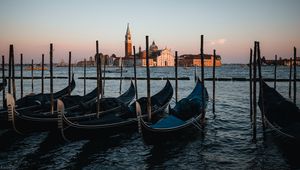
(225, 142)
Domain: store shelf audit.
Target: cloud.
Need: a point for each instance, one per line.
(220, 41)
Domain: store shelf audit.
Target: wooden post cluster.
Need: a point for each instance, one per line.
(148, 80)
(260, 85)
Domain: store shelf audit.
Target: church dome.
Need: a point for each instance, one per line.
(153, 47)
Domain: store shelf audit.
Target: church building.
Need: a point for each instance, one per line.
(157, 57)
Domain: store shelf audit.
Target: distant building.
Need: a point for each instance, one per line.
(89, 63)
(281, 61)
(190, 60)
(62, 63)
(158, 58)
(105, 59)
(287, 62)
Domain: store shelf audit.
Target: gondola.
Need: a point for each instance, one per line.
(34, 102)
(3, 85)
(281, 115)
(41, 98)
(114, 121)
(73, 102)
(29, 122)
(182, 120)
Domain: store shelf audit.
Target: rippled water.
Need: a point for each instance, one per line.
(224, 144)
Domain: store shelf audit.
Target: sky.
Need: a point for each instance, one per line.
(229, 26)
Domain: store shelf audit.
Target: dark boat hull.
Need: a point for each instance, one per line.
(281, 115)
(159, 137)
(187, 111)
(29, 103)
(28, 123)
(121, 121)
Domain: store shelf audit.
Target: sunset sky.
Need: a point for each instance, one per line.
(229, 26)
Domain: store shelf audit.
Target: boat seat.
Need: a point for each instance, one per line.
(167, 122)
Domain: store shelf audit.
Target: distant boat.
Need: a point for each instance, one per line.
(37, 68)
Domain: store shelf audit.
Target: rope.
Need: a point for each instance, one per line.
(60, 123)
(11, 112)
(138, 115)
(196, 124)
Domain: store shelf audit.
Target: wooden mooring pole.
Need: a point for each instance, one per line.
(104, 70)
(121, 75)
(98, 78)
(69, 71)
(176, 76)
(51, 78)
(254, 93)
(13, 70)
(9, 73)
(84, 77)
(260, 85)
(275, 71)
(195, 74)
(290, 78)
(134, 70)
(214, 84)
(251, 87)
(3, 80)
(32, 76)
(148, 80)
(100, 74)
(295, 73)
(202, 79)
(42, 77)
(21, 73)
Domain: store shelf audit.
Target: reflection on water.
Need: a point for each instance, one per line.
(224, 144)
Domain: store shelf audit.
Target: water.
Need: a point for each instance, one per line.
(224, 144)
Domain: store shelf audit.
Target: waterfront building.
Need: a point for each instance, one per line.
(190, 60)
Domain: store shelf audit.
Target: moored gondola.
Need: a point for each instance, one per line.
(114, 121)
(281, 115)
(28, 122)
(182, 120)
(33, 102)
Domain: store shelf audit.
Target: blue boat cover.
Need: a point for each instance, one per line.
(167, 122)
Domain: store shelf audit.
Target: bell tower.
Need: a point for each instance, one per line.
(128, 43)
